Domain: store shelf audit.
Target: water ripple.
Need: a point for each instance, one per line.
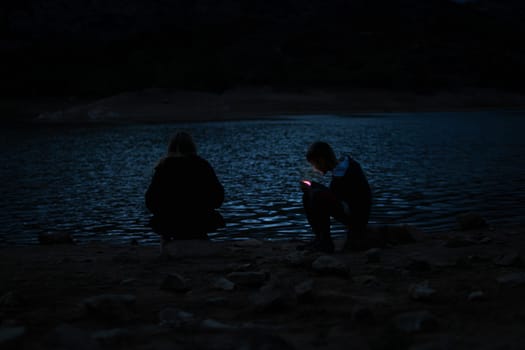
(424, 169)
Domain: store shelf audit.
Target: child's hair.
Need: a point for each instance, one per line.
(321, 150)
(182, 143)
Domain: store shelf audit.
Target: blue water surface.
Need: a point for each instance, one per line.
(424, 169)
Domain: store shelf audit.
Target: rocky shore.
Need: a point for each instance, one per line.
(410, 290)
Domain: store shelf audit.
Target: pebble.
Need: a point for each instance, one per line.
(111, 306)
(476, 296)
(329, 264)
(174, 283)
(514, 279)
(373, 255)
(421, 291)
(415, 321)
(247, 278)
(172, 317)
(223, 284)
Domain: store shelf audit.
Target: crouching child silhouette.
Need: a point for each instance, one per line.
(184, 194)
(348, 199)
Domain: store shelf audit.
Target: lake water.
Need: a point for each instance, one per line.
(424, 169)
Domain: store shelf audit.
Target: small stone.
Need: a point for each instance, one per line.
(485, 240)
(416, 321)
(111, 306)
(329, 264)
(175, 318)
(418, 264)
(128, 281)
(276, 294)
(223, 284)
(112, 337)
(247, 278)
(509, 259)
(217, 301)
(367, 280)
(476, 296)
(373, 255)
(174, 283)
(371, 300)
(392, 234)
(515, 279)
(248, 267)
(479, 258)
(421, 291)
(210, 324)
(9, 299)
(298, 259)
(304, 290)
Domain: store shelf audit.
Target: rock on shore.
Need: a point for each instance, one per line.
(423, 293)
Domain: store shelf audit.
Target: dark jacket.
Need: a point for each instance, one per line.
(183, 193)
(349, 184)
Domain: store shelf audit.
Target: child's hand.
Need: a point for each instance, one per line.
(305, 185)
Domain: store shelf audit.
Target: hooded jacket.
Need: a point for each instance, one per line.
(184, 191)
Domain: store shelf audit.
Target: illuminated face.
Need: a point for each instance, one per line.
(320, 165)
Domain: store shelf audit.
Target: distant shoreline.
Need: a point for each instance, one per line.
(163, 105)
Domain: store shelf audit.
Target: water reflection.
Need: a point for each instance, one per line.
(423, 168)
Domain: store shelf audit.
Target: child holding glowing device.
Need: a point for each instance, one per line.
(347, 199)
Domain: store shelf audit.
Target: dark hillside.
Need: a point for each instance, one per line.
(90, 47)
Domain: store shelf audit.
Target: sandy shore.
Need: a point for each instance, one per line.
(161, 105)
(455, 290)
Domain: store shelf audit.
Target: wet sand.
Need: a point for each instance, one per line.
(454, 290)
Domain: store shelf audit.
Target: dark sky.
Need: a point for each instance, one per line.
(213, 45)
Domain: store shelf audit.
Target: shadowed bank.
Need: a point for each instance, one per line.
(455, 290)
